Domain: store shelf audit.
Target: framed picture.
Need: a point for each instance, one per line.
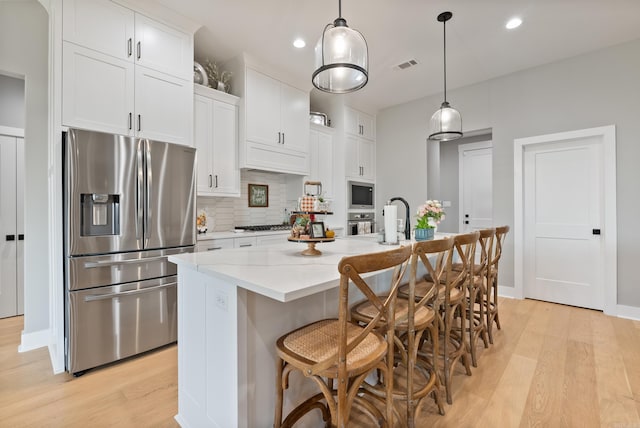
(317, 229)
(258, 195)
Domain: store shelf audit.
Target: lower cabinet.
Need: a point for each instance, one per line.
(214, 244)
(242, 242)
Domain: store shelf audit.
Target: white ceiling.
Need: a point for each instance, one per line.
(478, 45)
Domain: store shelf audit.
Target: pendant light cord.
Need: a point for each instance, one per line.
(339, 8)
(444, 31)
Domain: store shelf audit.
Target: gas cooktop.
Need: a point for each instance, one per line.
(265, 227)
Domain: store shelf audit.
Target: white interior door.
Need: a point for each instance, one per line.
(563, 202)
(8, 238)
(476, 186)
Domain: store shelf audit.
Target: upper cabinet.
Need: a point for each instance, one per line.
(125, 73)
(359, 123)
(216, 139)
(274, 121)
(321, 158)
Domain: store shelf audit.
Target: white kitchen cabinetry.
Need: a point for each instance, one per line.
(274, 122)
(321, 158)
(359, 123)
(246, 241)
(273, 239)
(216, 139)
(125, 73)
(360, 158)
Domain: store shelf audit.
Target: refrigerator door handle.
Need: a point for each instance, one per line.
(90, 265)
(127, 293)
(139, 193)
(147, 193)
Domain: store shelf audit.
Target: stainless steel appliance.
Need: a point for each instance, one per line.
(128, 203)
(361, 195)
(361, 223)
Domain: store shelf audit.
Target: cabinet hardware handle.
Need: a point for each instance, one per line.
(139, 123)
(129, 47)
(139, 49)
(130, 121)
(10, 237)
(283, 138)
(279, 137)
(21, 237)
(216, 181)
(210, 181)
(214, 248)
(245, 245)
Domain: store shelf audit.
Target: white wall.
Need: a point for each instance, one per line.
(11, 102)
(595, 89)
(24, 52)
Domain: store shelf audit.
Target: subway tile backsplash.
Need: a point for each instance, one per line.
(223, 214)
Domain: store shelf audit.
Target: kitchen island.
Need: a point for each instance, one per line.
(232, 307)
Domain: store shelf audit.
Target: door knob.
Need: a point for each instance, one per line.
(595, 231)
(10, 237)
(21, 237)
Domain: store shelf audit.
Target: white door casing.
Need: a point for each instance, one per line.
(564, 188)
(475, 185)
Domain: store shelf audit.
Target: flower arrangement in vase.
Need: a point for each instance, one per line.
(428, 216)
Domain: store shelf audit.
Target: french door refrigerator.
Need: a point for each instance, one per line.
(128, 203)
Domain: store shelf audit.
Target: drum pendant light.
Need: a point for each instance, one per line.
(342, 63)
(446, 123)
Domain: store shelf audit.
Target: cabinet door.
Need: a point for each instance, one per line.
(249, 241)
(163, 107)
(294, 118)
(262, 108)
(163, 48)
(367, 156)
(367, 126)
(203, 141)
(321, 160)
(226, 175)
(352, 163)
(351, 124)
(100, 25)
(97, 91)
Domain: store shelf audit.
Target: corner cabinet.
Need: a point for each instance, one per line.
(125, 73)
(274, 121)
(216, 141)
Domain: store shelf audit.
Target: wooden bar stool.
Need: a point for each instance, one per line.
(344, 351)
(476, 300)
(492, 281)
(416, 376)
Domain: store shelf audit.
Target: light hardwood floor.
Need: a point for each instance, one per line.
(550, 366)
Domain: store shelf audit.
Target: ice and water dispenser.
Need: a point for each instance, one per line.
(100, 214)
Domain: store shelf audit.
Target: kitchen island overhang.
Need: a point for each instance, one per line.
(232, 307)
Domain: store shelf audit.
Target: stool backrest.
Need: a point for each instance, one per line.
(465, 251)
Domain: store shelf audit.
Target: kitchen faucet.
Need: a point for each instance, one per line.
(407, 225)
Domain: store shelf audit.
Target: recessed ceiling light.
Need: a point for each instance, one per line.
(299, 43)
(513, 23)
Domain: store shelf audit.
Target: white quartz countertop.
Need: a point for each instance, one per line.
(280, 271)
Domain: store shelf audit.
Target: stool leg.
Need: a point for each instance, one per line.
(279, 393)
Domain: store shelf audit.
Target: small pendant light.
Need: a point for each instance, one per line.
(446, 123)
(341, 58)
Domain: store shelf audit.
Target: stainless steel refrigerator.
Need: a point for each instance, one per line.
(128, 203)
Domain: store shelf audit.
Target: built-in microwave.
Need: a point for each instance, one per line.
(361, 195)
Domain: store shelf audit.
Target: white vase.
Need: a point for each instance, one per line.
(433, 223)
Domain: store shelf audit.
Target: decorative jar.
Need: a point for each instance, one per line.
(424, 234)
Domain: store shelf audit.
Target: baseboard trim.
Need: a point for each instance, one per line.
(508, 292)
(55, 361)
(34, 340)
(628, 312)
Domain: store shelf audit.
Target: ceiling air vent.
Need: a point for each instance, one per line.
(406, 64)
